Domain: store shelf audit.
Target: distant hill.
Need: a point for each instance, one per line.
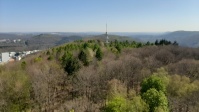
(184, 38)
(46, 40)
(15, 35)
(111, 38)
(49, 40)
(31, 41)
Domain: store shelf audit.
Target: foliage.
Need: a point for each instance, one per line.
(115, 88)
(48, 52)
(182, 86)
(70, 63)
(165, 42)
(118, 47)
(153, 92)
(153, 82)
(117, 104)
(137, 104)
(155, 99)
(38, 59)
(50, 58)
(117, 83)
(14, 92)
(99, 54)
(23, 65)
(122, 104)
(95, 47)
(163, 75)
(83, 57)
(85, 45)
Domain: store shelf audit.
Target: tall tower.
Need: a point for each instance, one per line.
(107, 35)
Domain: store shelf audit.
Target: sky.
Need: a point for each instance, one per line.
(92, 15)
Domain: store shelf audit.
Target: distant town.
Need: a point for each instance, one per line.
(6, 57)
(15, 55)
(9, 40)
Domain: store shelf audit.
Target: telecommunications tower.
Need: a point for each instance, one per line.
(107, 35)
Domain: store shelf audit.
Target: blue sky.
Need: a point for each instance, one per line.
(92, 15)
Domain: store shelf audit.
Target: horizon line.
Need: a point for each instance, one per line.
(93, 31)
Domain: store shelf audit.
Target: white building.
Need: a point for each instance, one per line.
(5, 57)
(28, 52)
(18, 58)
(12, 54)
(14, 41)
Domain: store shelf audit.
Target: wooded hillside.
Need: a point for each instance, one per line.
(92, 76)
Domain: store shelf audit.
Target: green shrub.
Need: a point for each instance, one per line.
(23, 64)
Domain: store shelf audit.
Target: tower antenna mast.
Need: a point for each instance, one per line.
(107, 35)
(106, 27)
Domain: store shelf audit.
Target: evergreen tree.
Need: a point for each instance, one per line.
(118, 47)
(85, 45)
(70, 63)
(95, 47)
(156, 42)
(175, 43)
(139, 45)
(99, 54)
(148, 43)
(48, 52)
(83, 57)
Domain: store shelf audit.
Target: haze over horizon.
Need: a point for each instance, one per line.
(91, 16)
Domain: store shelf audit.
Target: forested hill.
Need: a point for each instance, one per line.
(50, 40)
(184, 38)
(31, 41)
(92, 76)
(111, 38)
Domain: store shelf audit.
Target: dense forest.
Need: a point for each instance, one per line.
(93, 76)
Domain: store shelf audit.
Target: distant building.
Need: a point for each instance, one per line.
(12, 54)
(28, 52)
(3, 40)
(22, 55)
(18, 40)
(5, 57)
(35, 51)
(18, 58)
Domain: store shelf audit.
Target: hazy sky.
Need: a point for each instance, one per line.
(92, 15)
